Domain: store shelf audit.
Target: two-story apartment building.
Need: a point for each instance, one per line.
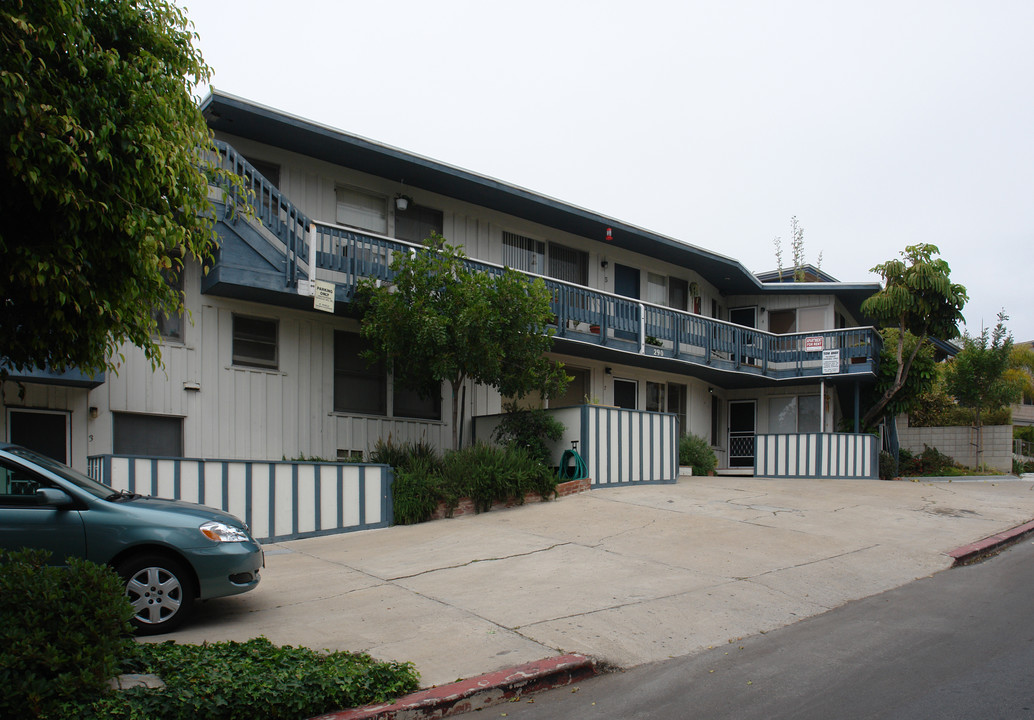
(265, 363)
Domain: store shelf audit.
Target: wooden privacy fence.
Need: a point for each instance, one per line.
(278, 500)
(817, 455)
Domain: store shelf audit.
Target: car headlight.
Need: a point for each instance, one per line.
(221, 532)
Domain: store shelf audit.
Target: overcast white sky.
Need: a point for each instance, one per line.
(878, 124)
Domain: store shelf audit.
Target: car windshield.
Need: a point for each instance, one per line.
(60, 469)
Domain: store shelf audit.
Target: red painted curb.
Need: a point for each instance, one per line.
(476, 693)
(968, 553)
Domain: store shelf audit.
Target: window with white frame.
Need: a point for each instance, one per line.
(358, 387)
(678, 293)
(170, 327)
(153, 435)
(655, 393)
(410, 404)
(626, 393)
(568, 264)
(416, 223)
(794, 414)
(782, 322)
(524, 253)
(362, 388)
(529, 255)
(255, 342)
(360, 209)
(656, 289)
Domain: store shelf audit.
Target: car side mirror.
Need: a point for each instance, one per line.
(54, 497)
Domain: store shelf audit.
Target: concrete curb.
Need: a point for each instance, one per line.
(477, 693)
(989, 545)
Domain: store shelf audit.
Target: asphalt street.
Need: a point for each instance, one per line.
(959, 644)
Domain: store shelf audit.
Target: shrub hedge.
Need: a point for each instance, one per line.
(483, 473)
(696, 452)
(63, 633)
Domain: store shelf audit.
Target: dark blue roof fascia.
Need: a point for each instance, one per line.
(73, 377)
(237, 116)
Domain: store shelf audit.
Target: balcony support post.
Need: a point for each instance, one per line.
(642, 328)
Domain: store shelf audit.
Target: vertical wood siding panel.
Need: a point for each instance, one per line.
(225, 408)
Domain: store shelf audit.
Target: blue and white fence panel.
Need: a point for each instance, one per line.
(278, 500)
(629, 447)
(817, 455)
(619, 447)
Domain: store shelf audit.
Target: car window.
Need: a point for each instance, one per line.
(61, 470)
(18, 486)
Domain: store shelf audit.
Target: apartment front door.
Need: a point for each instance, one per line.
(626, 282)
(45, 431)
(742, 428)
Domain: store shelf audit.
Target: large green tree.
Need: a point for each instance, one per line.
(440, 320)
(103, 187)
(917, 384)
(918, 298)
(1021, 369)
(978, 377)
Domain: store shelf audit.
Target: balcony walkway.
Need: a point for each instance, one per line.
(290, 242)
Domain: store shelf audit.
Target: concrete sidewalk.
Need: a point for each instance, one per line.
(626, 575)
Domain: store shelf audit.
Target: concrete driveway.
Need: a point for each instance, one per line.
(628, 575)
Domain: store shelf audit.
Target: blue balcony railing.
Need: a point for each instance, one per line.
(624, 323)
(346, 256)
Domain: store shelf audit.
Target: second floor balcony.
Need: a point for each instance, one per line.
(280, 250)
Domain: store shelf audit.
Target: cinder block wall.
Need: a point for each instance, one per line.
(960, 443)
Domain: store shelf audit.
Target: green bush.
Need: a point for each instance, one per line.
(888, 465)
(253, 680)
(488, 474)
(696, 451)
(416, 490)
(931, 462)
(529, 430)
(483, 473)
(63, 632)
(402, 455)
(938, 410)
(1023, 432)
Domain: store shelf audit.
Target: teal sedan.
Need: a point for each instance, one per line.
(169, 553)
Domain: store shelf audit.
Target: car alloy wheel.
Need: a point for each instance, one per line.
(160, 591)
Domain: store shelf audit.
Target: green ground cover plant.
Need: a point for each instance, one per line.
(253, 680)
